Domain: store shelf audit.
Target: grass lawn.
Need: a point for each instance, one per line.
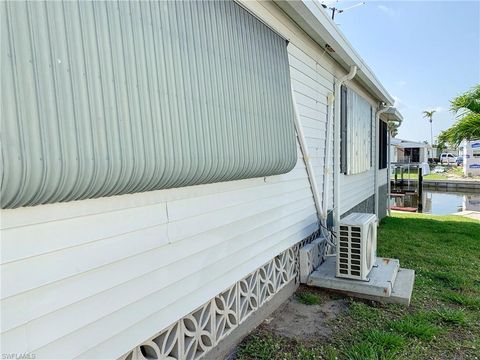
(452, 173)
(442, 322)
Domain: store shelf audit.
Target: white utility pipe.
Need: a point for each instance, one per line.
(310, 171)
(306, 158)
(337, 139)
(381, 109)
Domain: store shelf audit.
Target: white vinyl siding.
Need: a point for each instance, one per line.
(311, 85)
(382, 177)
(355, 188)
(71, 282)
(93, 278)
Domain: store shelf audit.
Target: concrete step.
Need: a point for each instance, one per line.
(388, 283)
(403, 287)
(382, 278)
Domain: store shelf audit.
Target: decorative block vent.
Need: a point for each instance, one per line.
(311, 256)
(191, 337)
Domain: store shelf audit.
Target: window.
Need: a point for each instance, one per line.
(356, 129)
(383, 145)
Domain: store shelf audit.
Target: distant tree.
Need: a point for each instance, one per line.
(392, 128)
(429, 115)
(467, 110)
(442, 142)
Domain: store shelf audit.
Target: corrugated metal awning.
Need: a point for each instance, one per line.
(104, 98)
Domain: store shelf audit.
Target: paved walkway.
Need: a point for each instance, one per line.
(470, 214)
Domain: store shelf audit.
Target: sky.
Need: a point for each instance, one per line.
(423, 52)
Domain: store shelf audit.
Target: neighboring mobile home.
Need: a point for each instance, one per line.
(407, 151)
(471, 157)
(156, 186)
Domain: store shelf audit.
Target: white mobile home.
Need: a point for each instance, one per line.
(162, 162)
(471, 157)
(406, 151)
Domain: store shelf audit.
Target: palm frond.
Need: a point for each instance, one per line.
(469, 101)
(429, 114)
(466, 128)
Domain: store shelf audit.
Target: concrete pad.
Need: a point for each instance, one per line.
(469, 214)
(380, 284)
(403, 287)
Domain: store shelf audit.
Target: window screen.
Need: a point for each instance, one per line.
(356, 133)
(103, 98)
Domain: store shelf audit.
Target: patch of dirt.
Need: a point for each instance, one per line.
(298, 321)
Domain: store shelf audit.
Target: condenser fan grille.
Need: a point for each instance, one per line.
(350, 250)
(356, 246)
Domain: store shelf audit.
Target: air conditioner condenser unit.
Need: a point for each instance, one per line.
(356, 246)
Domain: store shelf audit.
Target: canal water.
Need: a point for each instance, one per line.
(440, 202)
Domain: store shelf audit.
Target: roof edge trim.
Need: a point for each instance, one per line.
(309, 15)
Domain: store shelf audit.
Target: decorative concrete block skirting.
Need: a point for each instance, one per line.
(311, 256)
(199, 332)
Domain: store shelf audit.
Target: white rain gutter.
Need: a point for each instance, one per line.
(381, 109)
(337, 139)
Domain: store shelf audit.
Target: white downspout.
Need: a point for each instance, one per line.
(337, 139)
(381, 109)
(389, 169)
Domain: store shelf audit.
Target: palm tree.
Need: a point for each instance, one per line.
(392, 128)
(429, 115)
(467, 109)
(469, 102)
